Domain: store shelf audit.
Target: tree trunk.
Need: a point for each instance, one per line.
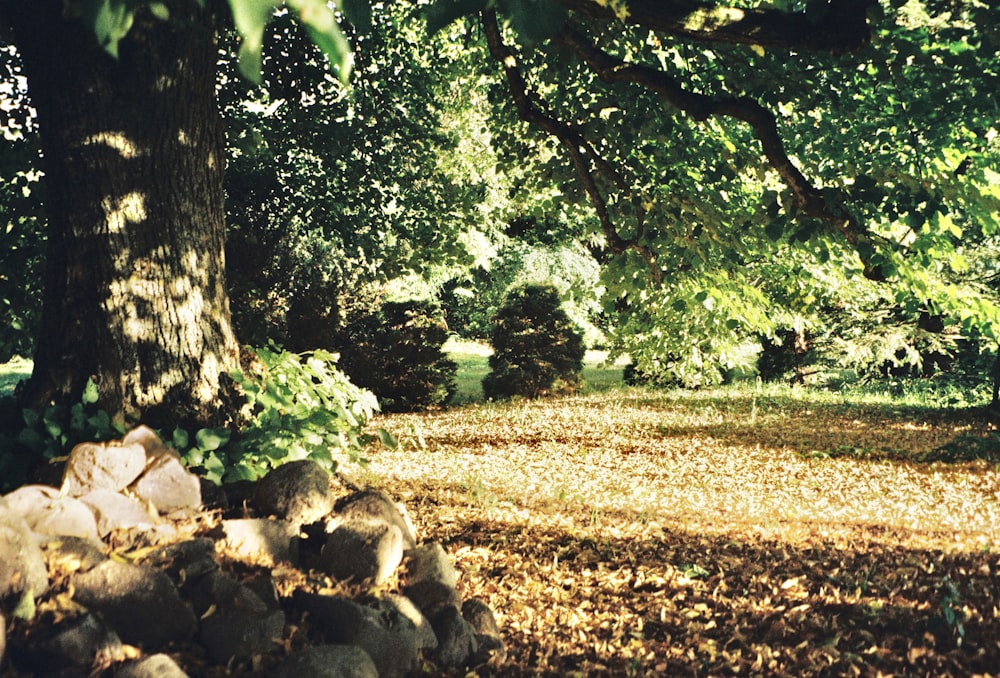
(135, 294)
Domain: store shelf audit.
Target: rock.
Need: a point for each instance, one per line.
(491, 645)
(328, 661)
(375, 507)
(139, 602)
(67, 555)
(260, 541)
(150, 442)
(102, 466)
(396, 605)
(22, 564)
(241, 634)
(360, 551)
(185, 560)
(70, 648)
(168, 485)
(298, 492)
(456, 638)
(342, 621)
(46, 511)
(115, 511)
(431, 579)
(153, 666)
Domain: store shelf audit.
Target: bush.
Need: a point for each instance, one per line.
(786, 355)
(396, 352)
(536, 349)
(299, 406)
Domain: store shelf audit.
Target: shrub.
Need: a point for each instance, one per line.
(396, 352)
(536, 348)
(786, 355)
(298, 407)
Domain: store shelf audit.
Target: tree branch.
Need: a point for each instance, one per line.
(810, 200)
(839, 26)
(589, 164)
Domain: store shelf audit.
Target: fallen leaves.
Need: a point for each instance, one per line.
(633, 533)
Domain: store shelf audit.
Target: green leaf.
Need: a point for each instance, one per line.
(159, 10)
(209, 439)
(774, 230)
(359, 13)
(534, 20)
(25, 608)
(321, 24)
(110, 20)
(180, 439)
(251, 18)
(89, 396)
(388, 440)
(444, 12)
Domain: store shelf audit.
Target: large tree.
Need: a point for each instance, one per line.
(134, 295)
(135, 298)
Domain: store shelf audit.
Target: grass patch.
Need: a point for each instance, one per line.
(473, 359)
(12, 373)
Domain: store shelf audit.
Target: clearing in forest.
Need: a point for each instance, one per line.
(735, 531)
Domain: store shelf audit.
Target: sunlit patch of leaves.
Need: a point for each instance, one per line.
(640, 533)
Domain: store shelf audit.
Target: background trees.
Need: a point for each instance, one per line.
(732, 178)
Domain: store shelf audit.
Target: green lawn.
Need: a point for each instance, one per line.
(13, 372)
(473, 364)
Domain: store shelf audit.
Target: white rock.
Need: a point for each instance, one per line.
(102, 466)
(115, 511)
(48, 512)
(145, 436)
(168, 486)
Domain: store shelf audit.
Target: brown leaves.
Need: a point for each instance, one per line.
(636, 534)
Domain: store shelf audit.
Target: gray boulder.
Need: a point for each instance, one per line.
(457, 644)
(431, 579)
(362, 551)
(298, 492)
(488, 636)
(69, 648)
(168, 485)
(260, 541)
(140, 603)
(153, 666)
(373, 506)
(235, 622)
(394, 649)
(328, 661)
(115, 511)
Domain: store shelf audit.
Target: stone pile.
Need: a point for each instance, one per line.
(126, 571)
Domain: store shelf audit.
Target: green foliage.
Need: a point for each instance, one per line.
(22, 241)
(536, 348)
(396, 352)
(472, 300)
(332, 192)
(47, 434)
(299, 407)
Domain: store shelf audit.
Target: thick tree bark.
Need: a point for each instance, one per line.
(135, 296)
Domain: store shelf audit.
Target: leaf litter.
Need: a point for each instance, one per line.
(641, 533)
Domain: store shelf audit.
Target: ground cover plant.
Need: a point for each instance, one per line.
(760, 530)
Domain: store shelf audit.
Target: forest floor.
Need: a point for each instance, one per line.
(740, 531)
